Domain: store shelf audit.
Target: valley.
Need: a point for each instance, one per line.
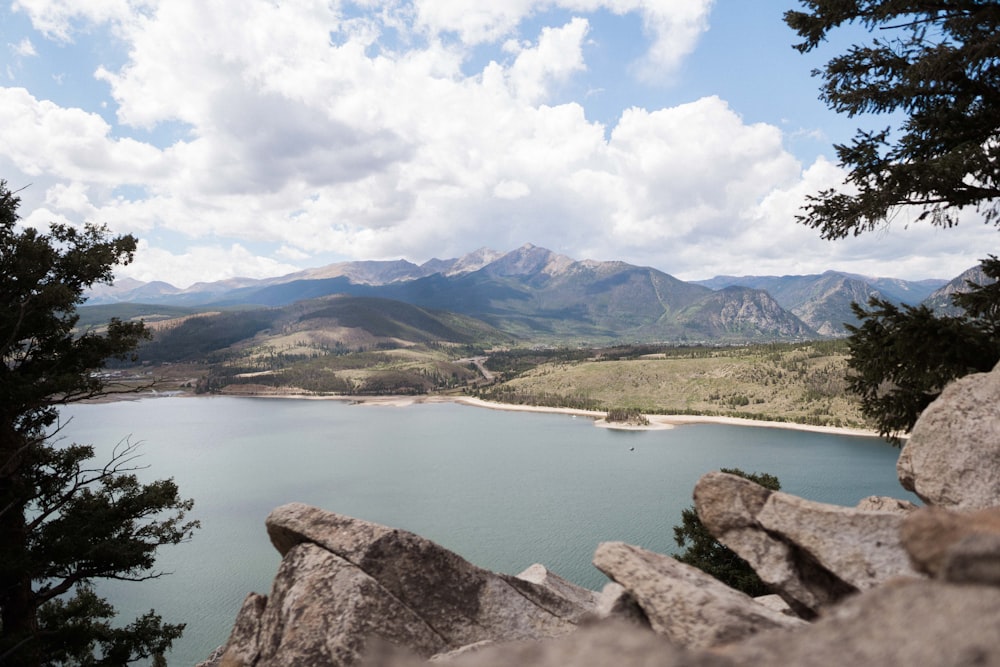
(537, 295)
(528, 327)
(800, 383)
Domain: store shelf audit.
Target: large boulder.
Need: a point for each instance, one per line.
(243, 647)
(347, 589)
(614, 602)
(962, 547)
(952, 458)
(542, 576)
(611, 602)
(682, 603)
(812, 554)
(439, 585)
(323, 610)
(900, 624)
(600, 645)
(919, 622)
(344, 582)
(885, 504)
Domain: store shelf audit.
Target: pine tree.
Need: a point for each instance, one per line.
(902, 357)
(936, 66)
(706, 553)
(64, 520)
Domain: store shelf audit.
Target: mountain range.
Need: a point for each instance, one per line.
(536, 294)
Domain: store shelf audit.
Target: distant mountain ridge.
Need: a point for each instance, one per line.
(314, 326)
(535, 293)
(364, 272)
(823, 301)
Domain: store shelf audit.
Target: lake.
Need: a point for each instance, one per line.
(503, 489)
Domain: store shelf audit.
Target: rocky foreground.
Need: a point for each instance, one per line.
(885, 583)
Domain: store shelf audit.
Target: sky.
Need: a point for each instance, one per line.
(252, 138)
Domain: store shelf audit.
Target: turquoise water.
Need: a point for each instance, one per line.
(502, 489)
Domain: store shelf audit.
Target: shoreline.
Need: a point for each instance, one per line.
(656, 422)
(661, 422)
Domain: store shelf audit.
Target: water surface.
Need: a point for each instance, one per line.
(503, 489)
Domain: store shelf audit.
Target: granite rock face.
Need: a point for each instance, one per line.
(812, 554)
(324, 610)
(919, 622)
(345, 582)
(601, 645)
(682, 603)
(542, 576)
(952, 458)
(615, 602)
(885, 504)
(961, 547)
(243, 647)
(901, 624)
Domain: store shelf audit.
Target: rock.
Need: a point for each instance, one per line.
(214, 658)
(344, 582)
(955, 546)
(243, 646)
(682, 603)
(975, 559)
(727, 506)
(885, 504)
(601, 645)
(449, 656)
(812, 554)
(542, 576)
(861, 548)
(468, 603)
(323, 610)
(901, 624)
(952, 458)
(775, 603)
(615, 602)
(729, 502)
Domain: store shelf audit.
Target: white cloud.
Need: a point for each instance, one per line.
(41, 137)
(312, 132)
(24, 48)
(511, 190)
(676, 27)
(558, 55)
(766, 240)
(61, 19)
(201, 263)
(72, 198)
(692, 170)
(292, 254)
(474, 22)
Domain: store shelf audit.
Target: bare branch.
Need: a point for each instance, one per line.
(84, 477)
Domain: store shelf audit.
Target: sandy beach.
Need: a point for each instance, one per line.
(670, 421)
(656, 422)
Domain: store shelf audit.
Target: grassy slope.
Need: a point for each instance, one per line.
(97, 317)
(799, 383)
(314, 349)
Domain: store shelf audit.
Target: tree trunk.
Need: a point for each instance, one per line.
(18, 607)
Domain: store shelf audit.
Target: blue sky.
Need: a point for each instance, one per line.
(255, 138)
